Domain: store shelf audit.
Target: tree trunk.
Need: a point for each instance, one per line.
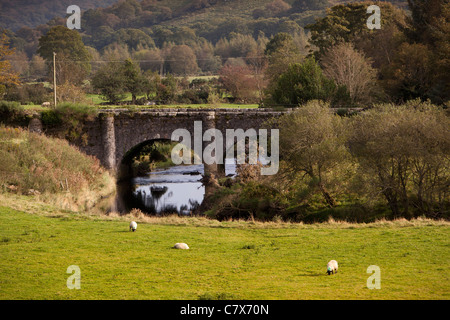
(328, 198)
(392, 202)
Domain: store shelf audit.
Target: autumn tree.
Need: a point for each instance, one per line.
(7, 74)
(350, 68)
(167, 89)
(411, 73)
(257, 63)
(237, 80)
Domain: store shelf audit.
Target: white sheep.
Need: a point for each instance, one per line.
(332, 267)
(181, 246)
(133, 226)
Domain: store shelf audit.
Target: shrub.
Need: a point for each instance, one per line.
(28, 93)
(69, 117)
(11, 112)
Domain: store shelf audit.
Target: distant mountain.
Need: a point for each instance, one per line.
(15, 14)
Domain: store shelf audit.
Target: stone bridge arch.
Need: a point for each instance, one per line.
(124, 167)
(117, 131)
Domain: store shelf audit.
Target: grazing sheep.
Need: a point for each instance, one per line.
(332, 267)
(181, 246)
(46, 104)
(133, 226)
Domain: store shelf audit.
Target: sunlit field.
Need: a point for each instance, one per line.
(226, 260)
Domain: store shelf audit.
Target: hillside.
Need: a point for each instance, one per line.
(16, 14)
(149, 23)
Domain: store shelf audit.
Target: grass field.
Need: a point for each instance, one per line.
(96, 100)
(227, 260)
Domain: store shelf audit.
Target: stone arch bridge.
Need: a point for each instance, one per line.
(114, 133)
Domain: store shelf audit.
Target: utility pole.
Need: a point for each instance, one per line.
(54, 77)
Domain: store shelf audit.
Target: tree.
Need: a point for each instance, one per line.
(350, 68)
(239, 45)
(257, 63)
(403, 154)
(72, 56)
(277, 7)
(182, 60)
(134, 38)
(135, 82)
(207, 60)
(430, 24)
(312, 142)
(425, 16)
(109, 80)
(280, 41)
(301, 83)
(116, 52)
(7, 74)
(411, 73)
(347, 23)
(149, 59)
(19, 62)
(281, 51)
(37, 67)
(239, 82)
(167, 89)
(152, 83)
(304, 5)
(341, 24)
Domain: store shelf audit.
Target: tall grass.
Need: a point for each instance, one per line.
(50, 169)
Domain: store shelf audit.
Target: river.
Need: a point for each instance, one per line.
(174, 189)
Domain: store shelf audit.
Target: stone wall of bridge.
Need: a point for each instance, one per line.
(113, 133)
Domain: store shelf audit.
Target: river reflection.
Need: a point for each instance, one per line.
(175, 189)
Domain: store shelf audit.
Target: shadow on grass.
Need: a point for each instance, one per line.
(312, 274)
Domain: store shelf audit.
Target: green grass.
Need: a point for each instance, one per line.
(231, 260)
(96, 100)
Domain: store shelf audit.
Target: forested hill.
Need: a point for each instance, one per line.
(15, 14)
